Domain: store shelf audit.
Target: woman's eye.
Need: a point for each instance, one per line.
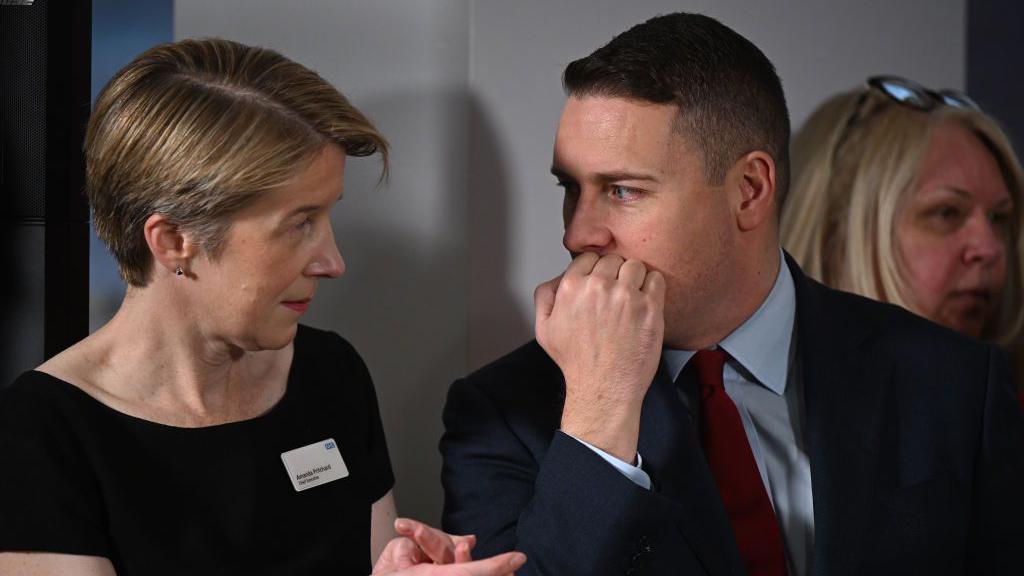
(1001, 220)
(948, 213)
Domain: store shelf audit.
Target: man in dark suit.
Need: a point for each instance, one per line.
(693, 404)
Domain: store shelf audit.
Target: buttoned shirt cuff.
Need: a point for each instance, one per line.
(634, 473)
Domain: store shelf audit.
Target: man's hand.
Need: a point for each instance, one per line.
(603, 323)
(424, 551)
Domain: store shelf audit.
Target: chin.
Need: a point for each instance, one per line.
(283, 337)
(971, 326)
(272, 338)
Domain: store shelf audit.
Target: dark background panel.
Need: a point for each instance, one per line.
(54, 58)
(995, 62)
(45, 95)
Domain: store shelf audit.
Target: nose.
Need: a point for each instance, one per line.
(327, 261)
(984, 241)
(586, 226)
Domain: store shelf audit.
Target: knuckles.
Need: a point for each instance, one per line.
(600, 283)
(570, 283)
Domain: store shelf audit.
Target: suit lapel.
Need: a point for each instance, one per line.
(673, 457)
(844, 390)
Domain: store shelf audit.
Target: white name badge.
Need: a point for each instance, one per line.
(313, 465)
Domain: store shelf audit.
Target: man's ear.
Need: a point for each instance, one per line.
(170, 245)
(752, 180)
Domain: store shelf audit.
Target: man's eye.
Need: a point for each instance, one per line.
(624, 193)
(305, 224)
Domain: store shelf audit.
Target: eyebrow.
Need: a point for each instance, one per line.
(612, 176)
(958, 191)
(307, 208)
(302, 210)
(965, 194)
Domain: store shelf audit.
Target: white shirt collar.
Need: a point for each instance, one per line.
(761, 343)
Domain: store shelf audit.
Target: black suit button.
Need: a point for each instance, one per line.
(639, 559)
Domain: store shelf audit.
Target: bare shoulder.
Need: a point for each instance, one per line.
(47, 564)
(72, 364)
(79, 365)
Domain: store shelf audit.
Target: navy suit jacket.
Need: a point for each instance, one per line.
(915, 440)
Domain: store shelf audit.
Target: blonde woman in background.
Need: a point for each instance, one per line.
(203, 430)
(912, 196)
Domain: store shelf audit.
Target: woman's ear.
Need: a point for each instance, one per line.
(171, 247)
(753, 180)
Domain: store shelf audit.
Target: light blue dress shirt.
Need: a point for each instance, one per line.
(761, 377)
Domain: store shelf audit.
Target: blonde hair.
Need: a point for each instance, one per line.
(854, 161)
(198, 129)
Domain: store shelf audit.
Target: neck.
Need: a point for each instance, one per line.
(740, 295)
(153, 353)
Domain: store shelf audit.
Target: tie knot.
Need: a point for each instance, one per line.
(709, 364)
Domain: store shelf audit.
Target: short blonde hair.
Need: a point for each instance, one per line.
(851, 179)
(196, 130)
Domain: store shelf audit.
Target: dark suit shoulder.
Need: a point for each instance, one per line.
(931, 376)
(524, 388)
(526, 370)
(890, 326)
(905, 333)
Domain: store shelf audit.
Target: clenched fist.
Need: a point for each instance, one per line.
(603, 323)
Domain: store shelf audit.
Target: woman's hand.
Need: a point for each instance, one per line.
(424, 551)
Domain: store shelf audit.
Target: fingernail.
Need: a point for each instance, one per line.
(402, 525)
(517, 560)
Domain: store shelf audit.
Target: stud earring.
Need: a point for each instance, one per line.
(178, 271)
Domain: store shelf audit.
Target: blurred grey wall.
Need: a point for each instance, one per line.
(121, 30)
(442, 261)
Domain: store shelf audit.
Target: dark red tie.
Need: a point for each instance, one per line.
(735, 470)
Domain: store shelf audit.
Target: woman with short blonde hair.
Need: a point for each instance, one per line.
(197, 129)
(203, 430)
(858, 163)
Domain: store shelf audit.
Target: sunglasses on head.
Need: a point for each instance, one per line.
(910, 93)
(907, 93)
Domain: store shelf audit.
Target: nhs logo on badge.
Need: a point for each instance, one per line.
(315, 464)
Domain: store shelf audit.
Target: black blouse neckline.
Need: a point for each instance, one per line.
(268, 415)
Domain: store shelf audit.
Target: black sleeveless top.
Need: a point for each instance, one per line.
(79, 477)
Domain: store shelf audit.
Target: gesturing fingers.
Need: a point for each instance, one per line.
(463, 547)
(500, 565)
(400, 553)
(437, 545)
(462, 553)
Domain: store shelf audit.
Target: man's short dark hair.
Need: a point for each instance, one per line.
(729, 96)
